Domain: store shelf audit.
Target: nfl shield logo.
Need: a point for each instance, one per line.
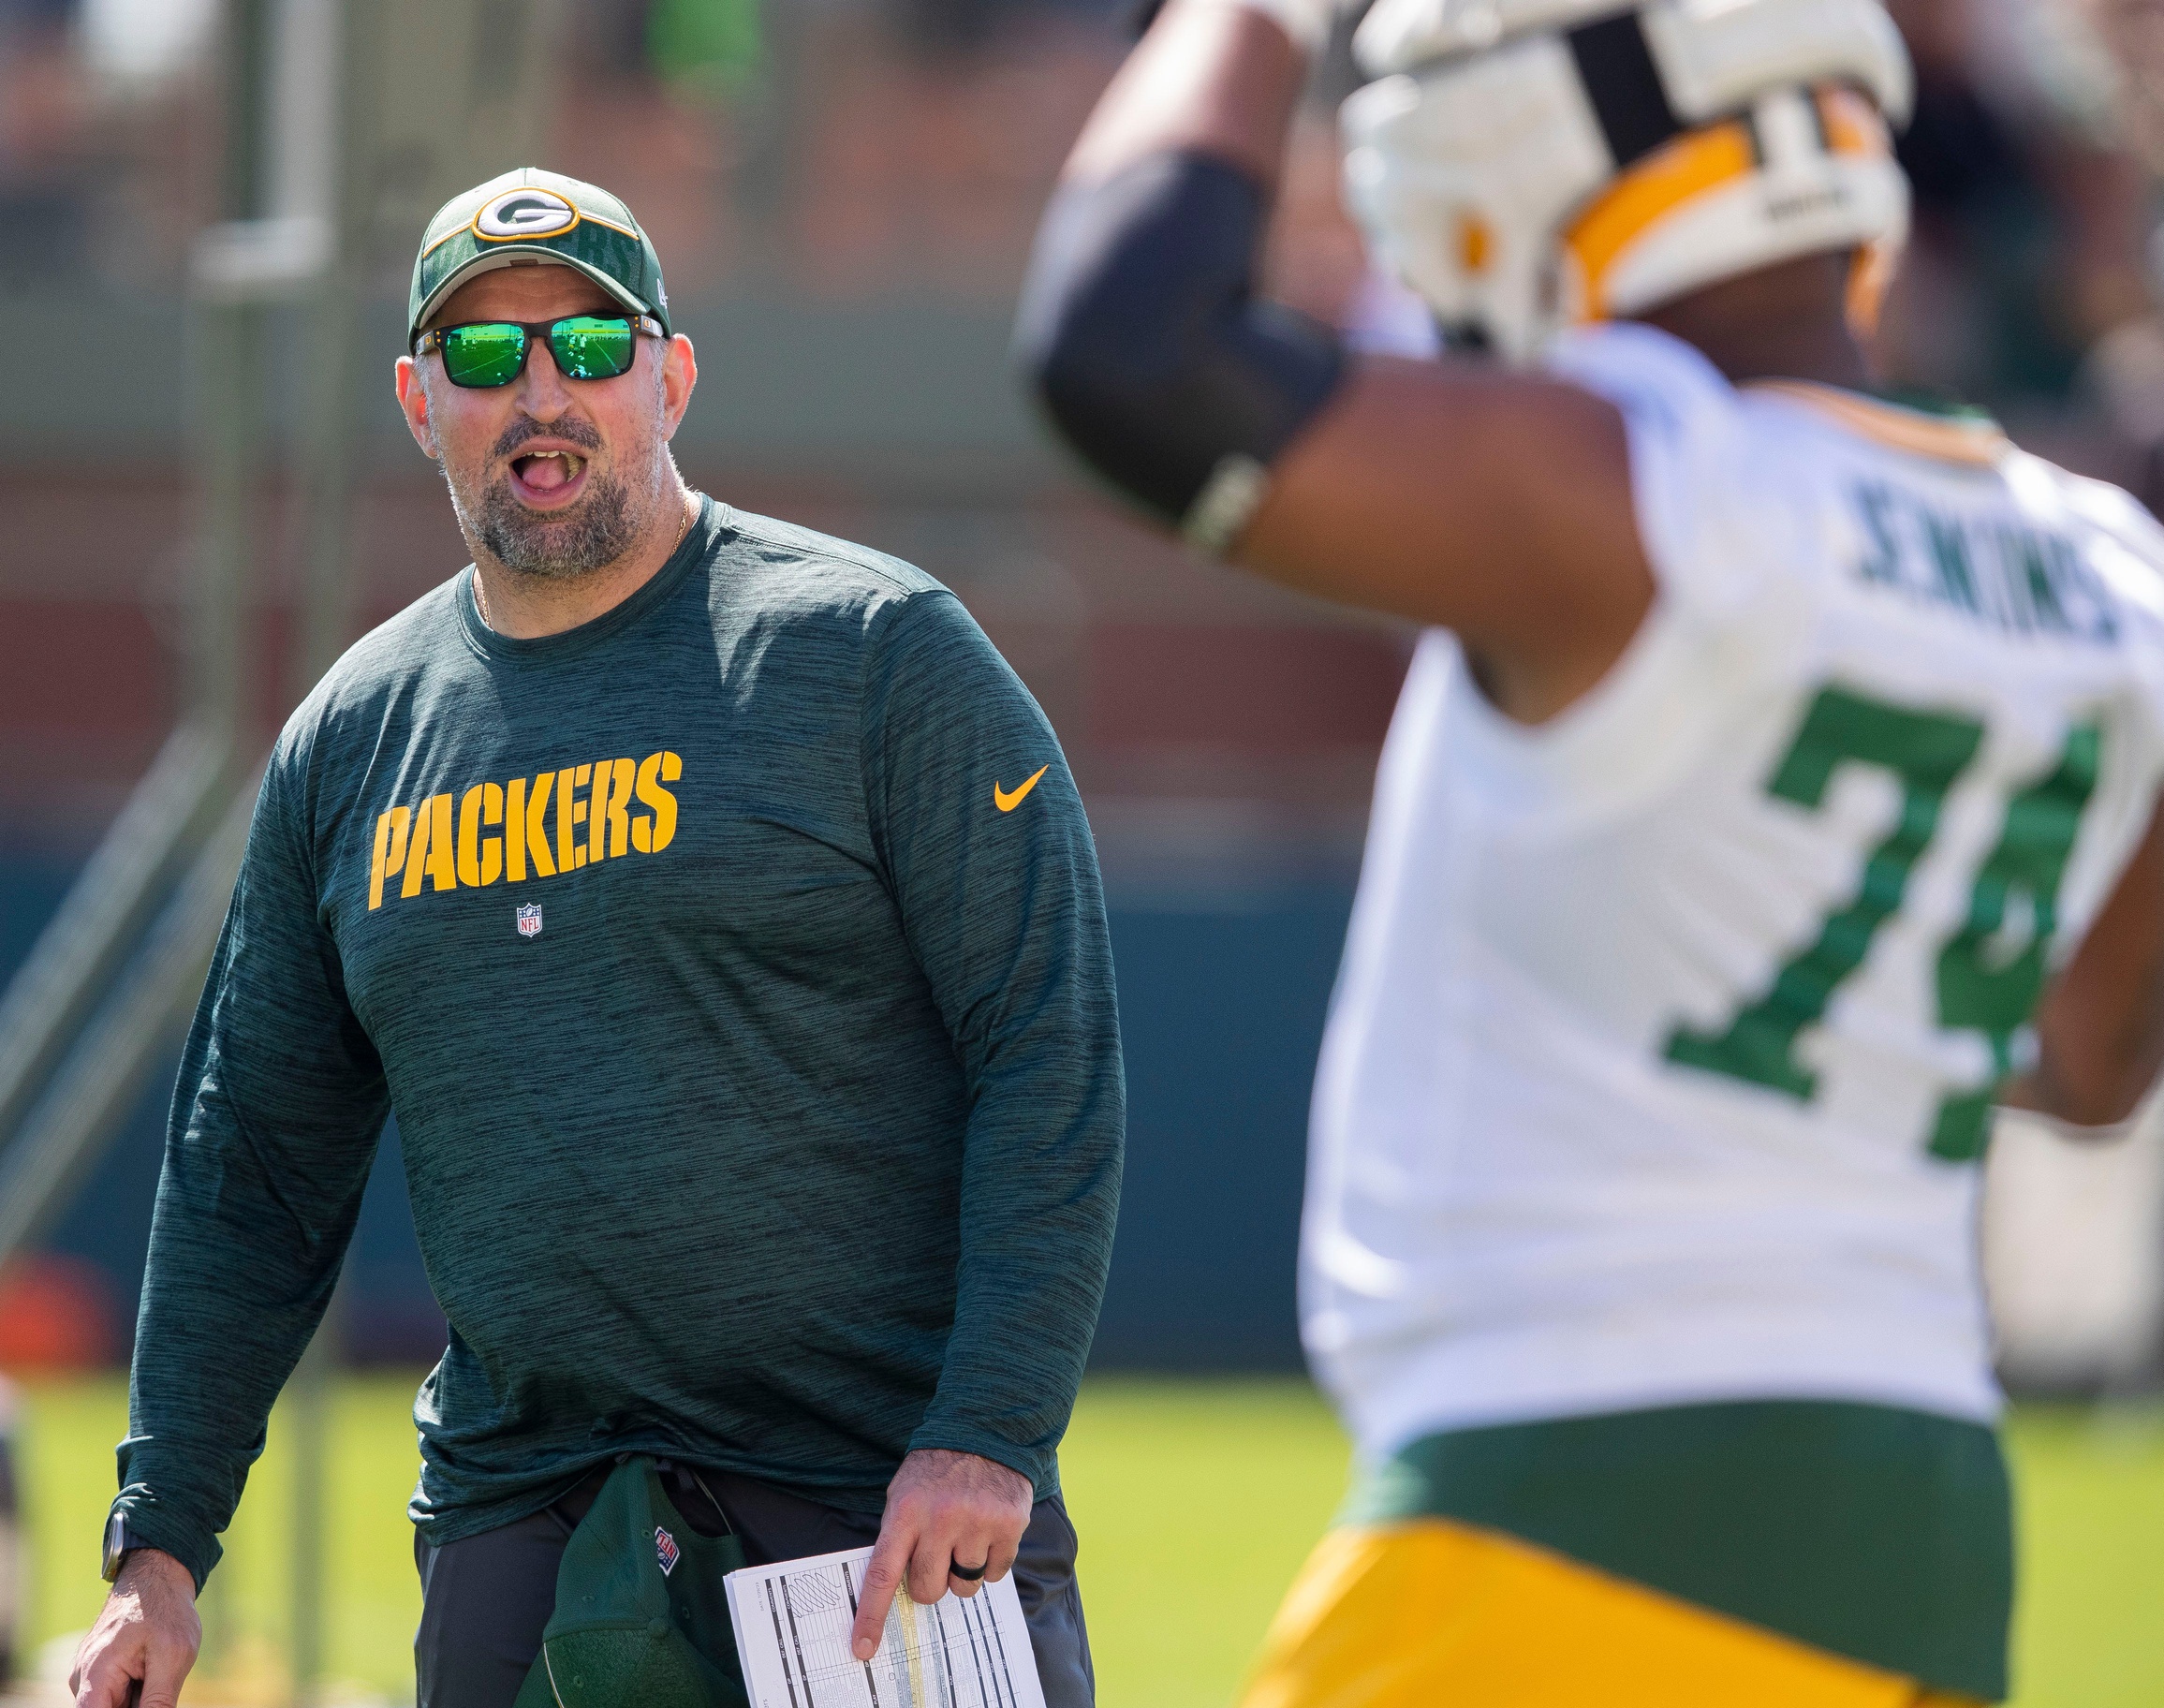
(665, 1550)
(529, 921)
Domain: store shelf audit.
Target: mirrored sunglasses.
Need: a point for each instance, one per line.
(487, 353)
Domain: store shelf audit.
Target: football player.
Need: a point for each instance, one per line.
(1775, 789)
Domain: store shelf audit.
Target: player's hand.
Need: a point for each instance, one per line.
(942, 1509)
(147, 1633)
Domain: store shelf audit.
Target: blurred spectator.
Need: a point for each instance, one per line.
(715, 42)
(2028, 285)
(40, 113)
(2021, 184)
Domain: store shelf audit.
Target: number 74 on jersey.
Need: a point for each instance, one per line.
(1978, 990)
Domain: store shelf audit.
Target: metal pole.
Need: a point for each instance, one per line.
(104, 913)
(226, 343)
(225, 355)
(106, 1070)
(331, 440)
(327, 65)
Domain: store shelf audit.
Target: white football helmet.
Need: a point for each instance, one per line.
(1530, 165)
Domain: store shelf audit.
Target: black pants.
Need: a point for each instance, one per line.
(485, 1599)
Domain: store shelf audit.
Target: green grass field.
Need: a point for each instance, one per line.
(1207, 1493)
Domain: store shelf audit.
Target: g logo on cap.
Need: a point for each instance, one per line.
(525, 213)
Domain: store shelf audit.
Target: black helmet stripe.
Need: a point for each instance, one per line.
(1616, 65)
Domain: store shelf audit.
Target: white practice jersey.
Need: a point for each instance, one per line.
(1663, 1048)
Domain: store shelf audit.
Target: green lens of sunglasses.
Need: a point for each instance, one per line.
(587, 347)
(491, 354)
(494, 352)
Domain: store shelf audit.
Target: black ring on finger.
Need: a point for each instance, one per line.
(968, 1575)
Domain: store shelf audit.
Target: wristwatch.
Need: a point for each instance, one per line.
(118, 1540)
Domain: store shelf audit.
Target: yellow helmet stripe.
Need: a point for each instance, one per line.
(1674, 173)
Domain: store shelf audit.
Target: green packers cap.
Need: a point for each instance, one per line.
(528, 215)
(642, 1617)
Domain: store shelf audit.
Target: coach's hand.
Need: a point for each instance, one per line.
(148, 1632)
(942, 1509)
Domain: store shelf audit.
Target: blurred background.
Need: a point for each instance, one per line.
(208, 210)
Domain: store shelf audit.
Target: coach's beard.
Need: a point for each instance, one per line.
(559, 545)
(555, 545)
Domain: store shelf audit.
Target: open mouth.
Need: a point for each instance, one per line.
(547, 479)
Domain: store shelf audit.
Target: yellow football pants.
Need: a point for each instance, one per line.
(1430, 1614)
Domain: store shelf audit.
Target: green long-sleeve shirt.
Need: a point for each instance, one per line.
(736, 966)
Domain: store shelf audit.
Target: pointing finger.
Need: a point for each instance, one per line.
(882, 1577)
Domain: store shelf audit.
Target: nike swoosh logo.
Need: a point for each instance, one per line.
(1006, 802)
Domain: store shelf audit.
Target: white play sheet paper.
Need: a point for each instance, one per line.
(792, 1625)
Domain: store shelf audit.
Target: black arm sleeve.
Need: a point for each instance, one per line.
(1146, 344)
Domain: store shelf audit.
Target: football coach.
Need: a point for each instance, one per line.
(715, 911)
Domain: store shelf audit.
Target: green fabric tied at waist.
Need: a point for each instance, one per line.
(642, 1617)
(1880, 1534)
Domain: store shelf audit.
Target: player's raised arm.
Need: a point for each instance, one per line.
(1495, 502)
